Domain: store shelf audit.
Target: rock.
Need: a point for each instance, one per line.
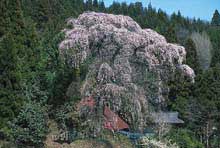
(131, 66)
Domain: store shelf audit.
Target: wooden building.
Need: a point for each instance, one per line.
(111, 120)
(166, 117)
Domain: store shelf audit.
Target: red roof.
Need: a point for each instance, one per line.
(113, 121)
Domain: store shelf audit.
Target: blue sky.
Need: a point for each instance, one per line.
(203, 9)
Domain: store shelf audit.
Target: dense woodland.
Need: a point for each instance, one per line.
(33, 79)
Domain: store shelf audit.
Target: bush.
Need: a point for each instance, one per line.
(146, 142)
(184, 138)
(30, 127)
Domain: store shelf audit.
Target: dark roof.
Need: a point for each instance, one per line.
(166, 117)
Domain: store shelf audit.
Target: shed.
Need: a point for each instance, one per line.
(166, 117)
(112, 121)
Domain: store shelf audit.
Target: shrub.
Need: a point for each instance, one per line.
(147, 142)
(184, 138)
(30, 127)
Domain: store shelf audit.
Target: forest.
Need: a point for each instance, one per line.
(34, 79)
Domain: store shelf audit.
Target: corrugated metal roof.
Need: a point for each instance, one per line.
(166, 117)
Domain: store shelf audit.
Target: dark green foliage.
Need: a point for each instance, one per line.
(191, 56)
(30, 127)
(12, 46)
(10, 77)
(184, 138)
(89, 5)
(11, 17)
(114, 8)
(101, 6)
(19, 60)
(95, 4)
(216, 19)
(31, 70)
(208, 93)
(214, 33)
(200, 106)
(58, 76)
(171, 34)
(180, 94)
(4, 19)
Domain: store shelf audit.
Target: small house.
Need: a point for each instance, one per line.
(166, 117)
(111, 120)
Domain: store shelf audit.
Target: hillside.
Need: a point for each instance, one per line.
(128, 69)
